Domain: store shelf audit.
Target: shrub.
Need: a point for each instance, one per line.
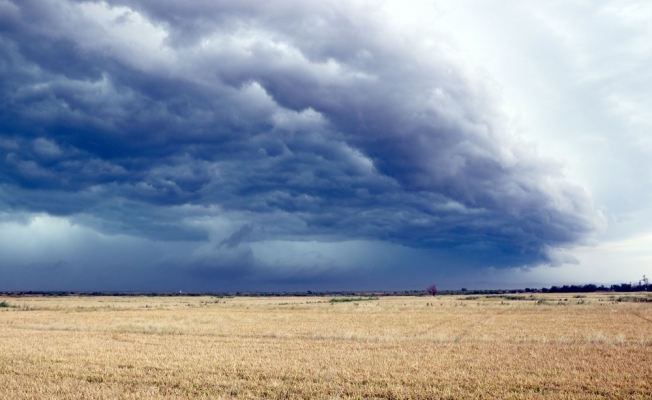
(432, 289)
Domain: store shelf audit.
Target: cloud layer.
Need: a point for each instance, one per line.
(289, 121)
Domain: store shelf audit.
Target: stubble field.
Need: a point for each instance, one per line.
(457, 347)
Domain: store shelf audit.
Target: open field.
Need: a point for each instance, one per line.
(545, 346)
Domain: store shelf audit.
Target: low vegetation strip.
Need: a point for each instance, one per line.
(635, 299)
(351, 299)
(503, 297)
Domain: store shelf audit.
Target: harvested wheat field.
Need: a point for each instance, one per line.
(452, 347)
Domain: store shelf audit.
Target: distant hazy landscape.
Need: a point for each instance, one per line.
(594, 345)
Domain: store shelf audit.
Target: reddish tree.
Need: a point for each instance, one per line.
(432, 289)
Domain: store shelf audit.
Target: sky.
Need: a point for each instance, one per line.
(158, 145)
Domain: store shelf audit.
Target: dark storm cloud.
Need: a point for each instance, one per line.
(308, 120)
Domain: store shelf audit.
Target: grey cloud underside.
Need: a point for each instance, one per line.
(310, 121)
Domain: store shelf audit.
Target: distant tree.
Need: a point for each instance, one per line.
(432, 289)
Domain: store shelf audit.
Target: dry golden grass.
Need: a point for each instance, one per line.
(395, 347)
